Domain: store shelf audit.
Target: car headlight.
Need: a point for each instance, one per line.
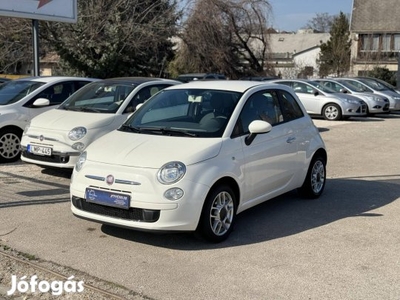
(81, 161)
(351, 101)
(171, 172)
(396, 98)
(77, 133)
(374, 98)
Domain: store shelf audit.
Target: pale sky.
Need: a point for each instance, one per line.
(291, 15)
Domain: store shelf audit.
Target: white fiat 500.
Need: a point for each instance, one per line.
(56, 138)
(195, 155)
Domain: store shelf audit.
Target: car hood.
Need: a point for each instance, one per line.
(151, 151)
(346, 96)
(59, 119)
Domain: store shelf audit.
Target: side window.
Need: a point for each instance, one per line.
(300, 87)
(262, 105)
(290, 108)
(144, 94)
(56, 93)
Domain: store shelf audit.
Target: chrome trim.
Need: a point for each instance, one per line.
(120, 181)
(95, 177)
(44, 138)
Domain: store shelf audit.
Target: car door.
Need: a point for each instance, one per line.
(306, 93)
(271, 159)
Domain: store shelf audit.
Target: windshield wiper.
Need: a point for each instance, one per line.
(166, 131)
(125, 127)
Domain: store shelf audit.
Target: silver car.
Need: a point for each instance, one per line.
(320, 100)
(376, 103)
(377, 88)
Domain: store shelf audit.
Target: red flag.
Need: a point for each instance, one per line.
(42, 3)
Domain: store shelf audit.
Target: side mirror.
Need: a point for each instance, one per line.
(257, 127)
(41, 102)
(316, 93)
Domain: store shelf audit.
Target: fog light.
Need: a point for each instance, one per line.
(173, 194)
(78, 146)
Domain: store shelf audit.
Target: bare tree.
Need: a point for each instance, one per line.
(226, 36)
(322, 22)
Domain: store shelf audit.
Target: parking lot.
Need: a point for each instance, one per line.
(344, 245)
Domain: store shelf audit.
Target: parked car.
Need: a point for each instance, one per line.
(2, 80)
(197, 154)
(200, 76)
(322, 101)
(377, 88)
(23, 99)
(56, 138)
(386, 84)
(376, 103)
(259, 78)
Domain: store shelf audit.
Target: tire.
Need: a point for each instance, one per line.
(332, 112)
(218, 215)
(314, 183)
(10, 144)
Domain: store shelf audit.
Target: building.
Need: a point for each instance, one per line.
(295, 55)
(375, 33)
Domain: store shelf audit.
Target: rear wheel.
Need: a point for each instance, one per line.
(314, 183)
(10, 144)
(218, 215)
(332, 112)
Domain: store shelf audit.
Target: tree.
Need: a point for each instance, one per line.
(225, 36)
(334, 57)
(116, 38)
(322, 22)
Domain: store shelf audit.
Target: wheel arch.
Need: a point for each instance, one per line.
(12, 127)
(229, 181)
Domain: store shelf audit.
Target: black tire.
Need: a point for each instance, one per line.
(10, 145)
(314, 183)
(332, 112)
(218, 215)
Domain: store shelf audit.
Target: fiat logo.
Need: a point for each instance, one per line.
(110, 179)
(41, 138)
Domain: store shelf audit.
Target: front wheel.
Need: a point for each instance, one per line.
(10, 145)
(332, 112)
(218, 215)
(314, 183)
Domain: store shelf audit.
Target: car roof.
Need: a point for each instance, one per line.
(138, 80)
(227, 85)
(49, 79)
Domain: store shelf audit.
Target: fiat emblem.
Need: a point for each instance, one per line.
(41, 138)
(110, 179)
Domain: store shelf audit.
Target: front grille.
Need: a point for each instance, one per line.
(132, 214)
(53, 158)
(362, 109)
(386, 107)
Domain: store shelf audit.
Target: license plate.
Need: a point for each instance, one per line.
(39, 150)
(107, 198)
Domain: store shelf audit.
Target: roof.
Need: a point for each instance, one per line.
(375, 16)
(292, 43)
(138, 80)
(230, 85)
(48, 79)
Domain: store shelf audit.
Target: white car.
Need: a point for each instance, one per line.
(197, 154)
(23, 99)
(56, 138)
(322, 101)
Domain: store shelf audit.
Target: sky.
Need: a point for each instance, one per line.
(291, 15)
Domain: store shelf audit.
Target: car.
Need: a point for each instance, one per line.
(377, 88)
(383, 82)
(322, 101)
(196, 155)
(56, 138)
(259, 78)
(200, 76)
(22, 99)
(2, 80)
(376, 103)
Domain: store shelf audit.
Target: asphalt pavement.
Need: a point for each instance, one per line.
(344, 245)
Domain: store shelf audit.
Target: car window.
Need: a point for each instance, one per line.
(290, 107)
(144, 94)
(263, 105)
(303, 88)
(13, 91)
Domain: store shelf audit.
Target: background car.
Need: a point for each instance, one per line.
(377, 88)
(320, 100)
(2, 80)
(23, 99)
(56, 138)
(375, 103)
(383, 82)
(200, 76)
(195, 155)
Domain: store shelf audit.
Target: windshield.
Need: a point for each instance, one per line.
(374, 84)
(184, 112)
(98, 97)
(13, 91)
(357, 84)
(355, 88)
(322, 87)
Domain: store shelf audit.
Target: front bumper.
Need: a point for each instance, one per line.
(354, 110)
(58, 159)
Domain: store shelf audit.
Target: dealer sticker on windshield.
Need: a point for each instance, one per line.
(107, 198)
